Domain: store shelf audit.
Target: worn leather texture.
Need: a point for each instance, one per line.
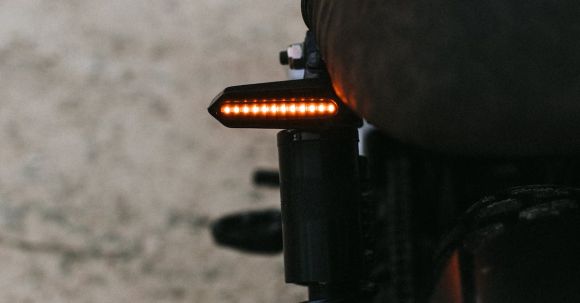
(491, 77)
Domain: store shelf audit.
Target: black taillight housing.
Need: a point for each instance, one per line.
(295, 104)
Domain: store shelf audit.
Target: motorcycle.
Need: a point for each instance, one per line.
(401, 223)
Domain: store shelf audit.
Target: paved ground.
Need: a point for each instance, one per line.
(110, 167)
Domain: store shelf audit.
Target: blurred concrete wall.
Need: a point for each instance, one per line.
(110, 166)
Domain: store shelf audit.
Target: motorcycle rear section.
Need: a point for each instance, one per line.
(385, 228)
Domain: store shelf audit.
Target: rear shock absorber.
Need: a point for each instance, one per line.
(320, 193)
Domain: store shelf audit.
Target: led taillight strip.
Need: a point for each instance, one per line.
(298, 107)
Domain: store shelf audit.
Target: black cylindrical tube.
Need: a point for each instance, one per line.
(320, 205)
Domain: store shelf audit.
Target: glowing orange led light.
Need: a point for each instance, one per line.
(280, 108)
(265, 109)
(331, 108)
(312, 108)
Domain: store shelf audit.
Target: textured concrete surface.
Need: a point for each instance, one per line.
(110, 166)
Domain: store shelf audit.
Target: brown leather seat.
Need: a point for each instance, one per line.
(494, 77)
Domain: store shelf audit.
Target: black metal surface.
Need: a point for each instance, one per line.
(320, 206)
(314, 64)
(283, 58)
(334, 293)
